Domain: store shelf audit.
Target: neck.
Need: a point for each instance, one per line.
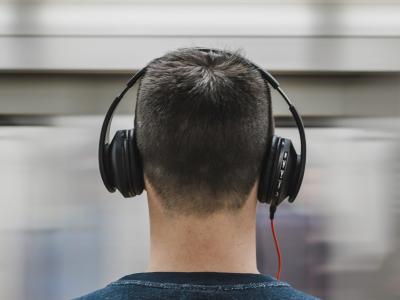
(221, 242)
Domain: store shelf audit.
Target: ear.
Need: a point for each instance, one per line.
(252, 196)
(147, 185)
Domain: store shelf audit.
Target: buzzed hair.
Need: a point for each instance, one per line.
(204, 121)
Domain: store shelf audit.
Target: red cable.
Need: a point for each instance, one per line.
(278, 251)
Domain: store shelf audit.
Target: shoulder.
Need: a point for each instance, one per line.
(99, 294)
(287, 292)
(109, 292)
(270, 290)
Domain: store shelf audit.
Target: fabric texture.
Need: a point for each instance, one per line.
(202, 285)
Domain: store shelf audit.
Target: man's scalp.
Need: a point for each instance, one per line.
(204, 121)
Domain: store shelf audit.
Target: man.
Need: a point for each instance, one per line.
(204, 122)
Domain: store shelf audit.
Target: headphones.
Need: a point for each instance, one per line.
(282, 169)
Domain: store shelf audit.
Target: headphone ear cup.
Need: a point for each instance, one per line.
(119, 162)
(285, 173)
(125, 167)
(279, 179)
(135, 164)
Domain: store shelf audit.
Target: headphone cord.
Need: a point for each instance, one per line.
(272, 210)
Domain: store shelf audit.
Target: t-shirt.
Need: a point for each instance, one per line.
(196, 285)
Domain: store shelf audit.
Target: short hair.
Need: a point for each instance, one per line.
(204, 121)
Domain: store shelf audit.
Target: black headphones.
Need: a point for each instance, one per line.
(281, 173)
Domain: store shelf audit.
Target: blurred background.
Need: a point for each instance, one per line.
(62, 62)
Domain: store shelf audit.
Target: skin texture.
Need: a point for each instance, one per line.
(221, 242)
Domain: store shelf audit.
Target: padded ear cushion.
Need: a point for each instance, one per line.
(105, 168)
(267, 170)
(128, 165)
(135, 163)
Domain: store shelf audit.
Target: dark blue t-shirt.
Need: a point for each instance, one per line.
(202, 285)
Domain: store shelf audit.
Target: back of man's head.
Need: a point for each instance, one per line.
(204, 122)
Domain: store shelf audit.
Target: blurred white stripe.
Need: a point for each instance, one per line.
(122, 37)
(125, 54)
(195, 20)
